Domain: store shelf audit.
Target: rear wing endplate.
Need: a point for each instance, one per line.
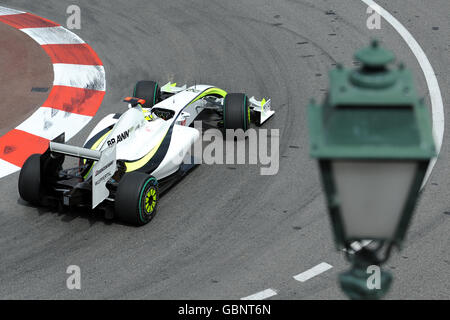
(104, 167)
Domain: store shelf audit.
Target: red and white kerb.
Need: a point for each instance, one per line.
(78, 89)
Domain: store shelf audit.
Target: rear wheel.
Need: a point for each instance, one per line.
(136, 198)
(236, 113)
(30, 188)
(149, 91)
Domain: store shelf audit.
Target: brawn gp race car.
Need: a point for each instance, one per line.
(129, 158)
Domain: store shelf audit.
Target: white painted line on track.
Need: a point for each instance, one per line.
(314, 271)
(79, 76)
(265, 294)
(437, 105)
(48, 123)
(7, 11)
(52, 35)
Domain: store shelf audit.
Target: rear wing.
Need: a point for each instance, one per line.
(263, 108)
(104, 167)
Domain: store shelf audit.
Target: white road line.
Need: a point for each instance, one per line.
(52, 35)
(437, 105)
(265, 294)
(79, 76)
(49, 123)
(314, 271)
(7, 11)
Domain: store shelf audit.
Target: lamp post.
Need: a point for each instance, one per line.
(373, 142)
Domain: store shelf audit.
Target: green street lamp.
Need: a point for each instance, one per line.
(373, 141)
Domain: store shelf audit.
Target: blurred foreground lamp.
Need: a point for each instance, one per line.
(373, 141)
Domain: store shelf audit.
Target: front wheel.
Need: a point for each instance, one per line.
(149, 91)
(236, 113)
(136, 198)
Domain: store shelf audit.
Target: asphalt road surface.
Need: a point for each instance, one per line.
(20, 52)
(226, 232)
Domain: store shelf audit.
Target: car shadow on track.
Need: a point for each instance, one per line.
(70, 214)
(93, 216)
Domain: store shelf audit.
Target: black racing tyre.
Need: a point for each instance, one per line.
(30, 188)
(236, 112)
(136, 198)
(149, 91)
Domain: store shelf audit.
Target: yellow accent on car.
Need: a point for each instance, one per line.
(150, 200)
(209, 91)
(147, 114)
(263, 102)
(97, 143)
(132, 166)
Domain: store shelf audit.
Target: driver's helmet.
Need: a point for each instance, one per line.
(140, 102)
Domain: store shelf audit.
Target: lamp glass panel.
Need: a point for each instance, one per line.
(372, 195)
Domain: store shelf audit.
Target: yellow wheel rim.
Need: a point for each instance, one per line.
(150, 200)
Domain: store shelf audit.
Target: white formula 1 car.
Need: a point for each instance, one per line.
(130, 158)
